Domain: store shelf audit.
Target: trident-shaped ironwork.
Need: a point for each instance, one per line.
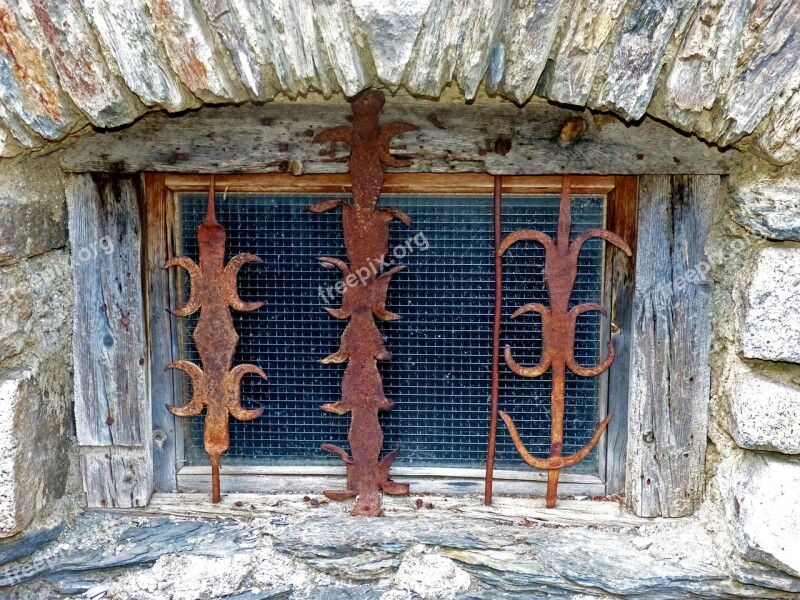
(366, 238)
(558, 336)
(216, 386)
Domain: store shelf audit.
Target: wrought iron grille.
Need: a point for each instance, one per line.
(440, 374)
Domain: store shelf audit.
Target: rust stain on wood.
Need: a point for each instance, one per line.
(366, 236)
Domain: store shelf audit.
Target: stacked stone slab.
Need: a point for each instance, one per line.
(35, 348)
(760, 481)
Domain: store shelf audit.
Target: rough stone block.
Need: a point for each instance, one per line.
(770, 208)
(765, 413)
(760, 494)
(771, 329)
(30, 228)
(32, 208)
(34, 441)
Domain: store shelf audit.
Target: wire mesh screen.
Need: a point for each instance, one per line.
(439, 375)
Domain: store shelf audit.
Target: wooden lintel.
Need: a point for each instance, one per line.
(501, 139)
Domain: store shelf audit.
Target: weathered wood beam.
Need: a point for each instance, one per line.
(112, 410)
(161, 343)
(93, 83)
(670, 373)
(619, 278)
(499, 138)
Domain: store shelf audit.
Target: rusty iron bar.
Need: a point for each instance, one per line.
(498, 313)
(558, 336)
(366, 238)
(216, 386)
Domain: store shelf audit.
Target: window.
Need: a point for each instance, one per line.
(440, 372)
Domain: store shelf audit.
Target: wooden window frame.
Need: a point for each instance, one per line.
(158, 237)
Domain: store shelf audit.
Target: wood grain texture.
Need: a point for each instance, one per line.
(671, 337)
(195, 51)
(498, 138)
(702, 61)
(117, 477)
(111, 402)
(765, 72)
(620, 273)
(340, 42)
(234, 482)
(167, 434)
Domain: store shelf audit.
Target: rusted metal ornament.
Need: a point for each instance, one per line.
(217, 386)
(366, 237)
(558, 336)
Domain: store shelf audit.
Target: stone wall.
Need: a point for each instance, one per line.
(754, 476)
(35, 341)
(753, 470)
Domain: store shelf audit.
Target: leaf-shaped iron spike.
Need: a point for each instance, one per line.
(337, 357)
(608, 236)
(195, 406)
(526, 235)
(193, 304)
(335, 134)
(398, 214)
(231, 276)
(559, 462)
(379, 295)
(387, 485)
(546, 360)
(233, 383)
(340, 452)
(336, 262)
(326, 205)
(582, 371)
(528, 372)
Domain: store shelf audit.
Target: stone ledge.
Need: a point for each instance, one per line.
(771, 329)
(760, 495)
(258, 544)
(765, 413)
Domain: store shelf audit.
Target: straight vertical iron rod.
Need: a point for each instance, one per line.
(498, 308)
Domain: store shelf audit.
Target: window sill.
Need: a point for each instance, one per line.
(314, 479)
